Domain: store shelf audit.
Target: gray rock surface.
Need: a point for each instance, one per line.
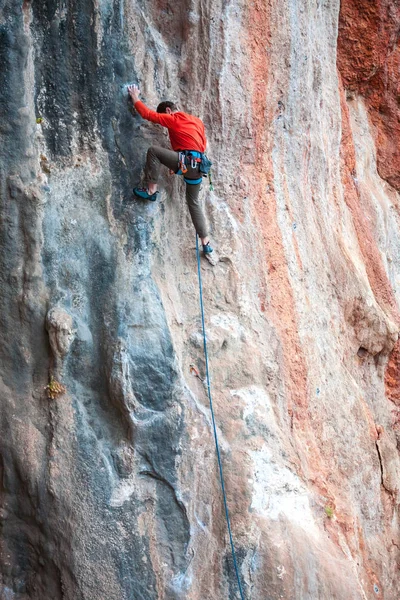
(110, 491)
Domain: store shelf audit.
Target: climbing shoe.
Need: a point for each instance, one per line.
(143, 193)
(210, 254)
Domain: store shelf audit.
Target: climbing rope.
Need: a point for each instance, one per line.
(221, 475)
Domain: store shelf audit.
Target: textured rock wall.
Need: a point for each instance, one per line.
(110, 490)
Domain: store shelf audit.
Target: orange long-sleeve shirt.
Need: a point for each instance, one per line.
(185, 131)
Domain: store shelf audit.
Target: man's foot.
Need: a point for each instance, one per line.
(210, 254)
(143, 193)
(207, 248)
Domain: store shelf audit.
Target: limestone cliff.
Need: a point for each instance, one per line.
(109, 483)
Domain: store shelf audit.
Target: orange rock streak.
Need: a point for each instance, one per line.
(282, 307)
(374, 266)
(392, 376)
(369, 63)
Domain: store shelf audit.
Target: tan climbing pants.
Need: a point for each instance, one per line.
(157, 156)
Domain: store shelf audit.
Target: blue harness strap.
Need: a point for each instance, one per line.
(193, 181)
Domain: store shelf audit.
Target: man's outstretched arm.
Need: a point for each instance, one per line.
(147, 113)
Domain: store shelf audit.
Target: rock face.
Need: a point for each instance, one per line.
(110, 490)
(369, 62)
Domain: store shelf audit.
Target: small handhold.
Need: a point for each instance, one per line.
(212, 257)
(54, 389)
(44, 164)
(194, 371)
(61, 334)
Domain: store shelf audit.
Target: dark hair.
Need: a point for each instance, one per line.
(162, 107)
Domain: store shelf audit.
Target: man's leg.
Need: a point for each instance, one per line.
(157, 156)
(196, 211)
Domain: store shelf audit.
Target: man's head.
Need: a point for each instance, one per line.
(167, 107)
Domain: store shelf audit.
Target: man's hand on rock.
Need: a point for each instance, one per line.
(134, 93)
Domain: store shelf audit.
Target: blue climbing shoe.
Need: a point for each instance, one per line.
(210, 254)
(143, 193)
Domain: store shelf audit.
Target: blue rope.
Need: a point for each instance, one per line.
(221, 475)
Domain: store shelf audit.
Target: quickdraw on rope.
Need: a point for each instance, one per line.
(221, 475)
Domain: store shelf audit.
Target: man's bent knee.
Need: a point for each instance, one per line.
(151, 152)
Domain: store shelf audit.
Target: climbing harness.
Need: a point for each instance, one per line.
(196, 159)
(221, 475)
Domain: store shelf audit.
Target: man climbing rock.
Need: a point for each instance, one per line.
(188, 141)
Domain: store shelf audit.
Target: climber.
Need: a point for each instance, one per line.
(188, 140)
